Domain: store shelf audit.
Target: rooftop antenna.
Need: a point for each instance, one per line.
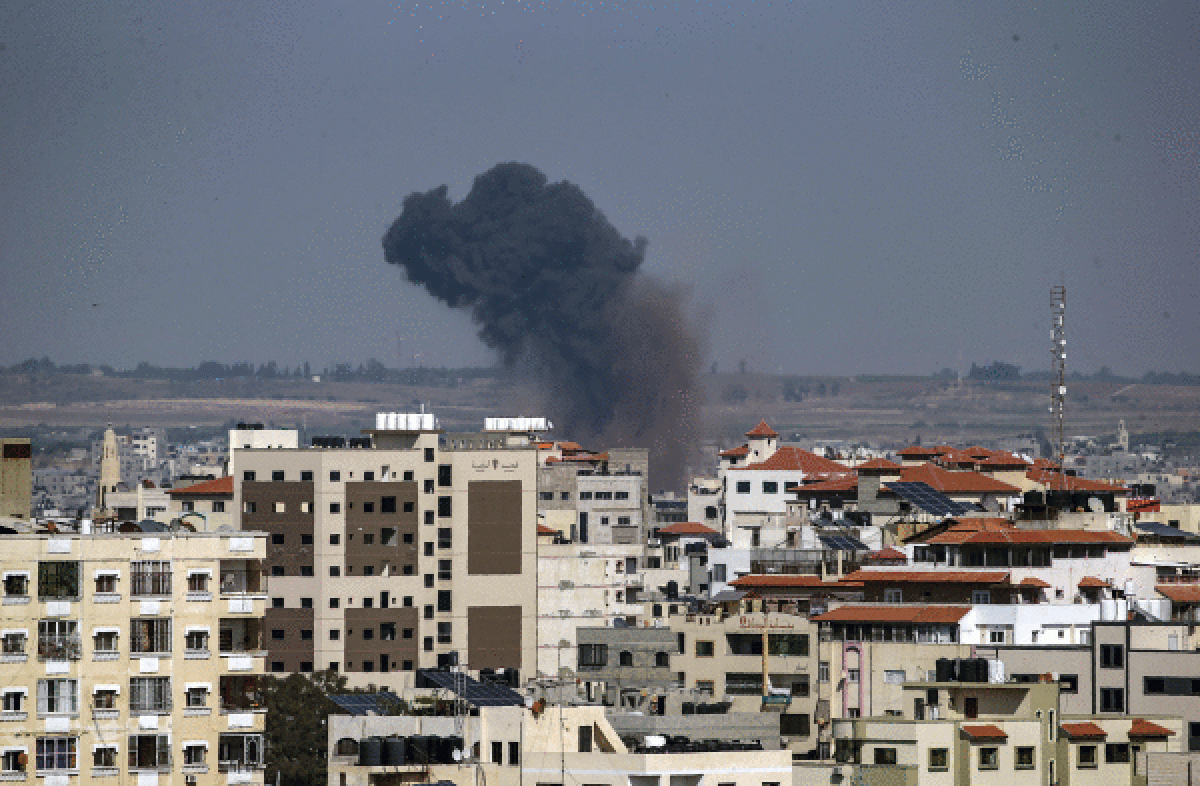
(1058, 354)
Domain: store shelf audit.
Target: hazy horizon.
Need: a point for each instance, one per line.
(848, 189)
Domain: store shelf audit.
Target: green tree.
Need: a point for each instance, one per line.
(297, 726)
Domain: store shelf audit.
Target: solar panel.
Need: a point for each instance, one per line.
(842, 542)
(479, 694)
(930, 500)
(365, 703)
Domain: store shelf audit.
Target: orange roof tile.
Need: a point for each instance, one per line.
(1180, 593)
(923, 614)
(1083, 730)
(888, 553)
(220, 486)
(1056, 481)
(914, 451)
(792, 458)
(542, 529)
(1030, 581)
(962, 482)
(762, 430)
(1091, 582)
(744, 450)
(877, 466)
(985, 732)
(1144, 728)
(930, 576)
(686, 528)
(980, 452)
(833, 485)
(1001, 459)
(570, 446)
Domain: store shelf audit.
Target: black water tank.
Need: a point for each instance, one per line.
(370, 752)
(394, 752)
(417, 749)
(944, 669)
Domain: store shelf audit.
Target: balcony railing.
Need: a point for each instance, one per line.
(241, 582)
(60, 647)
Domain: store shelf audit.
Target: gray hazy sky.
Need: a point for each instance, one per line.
(845, 187)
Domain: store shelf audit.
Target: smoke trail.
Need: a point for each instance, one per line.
(552, 284)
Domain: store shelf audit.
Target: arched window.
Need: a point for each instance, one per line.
(662, 660)
(626, 658)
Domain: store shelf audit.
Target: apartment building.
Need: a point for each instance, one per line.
(595, 498)
(132, 656)
(396, 552)
(16, 477)
(513, 745)
(208, 505)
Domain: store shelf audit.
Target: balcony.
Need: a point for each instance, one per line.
(241, 577)
(241, 637)
(241, 694)
(60, 647)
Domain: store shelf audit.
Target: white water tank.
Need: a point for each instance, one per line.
(381, 421)
(1108, 610)
(995, 671)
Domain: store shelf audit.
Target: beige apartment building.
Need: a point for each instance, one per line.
(396, 553)
(16, 477)
(132, 656)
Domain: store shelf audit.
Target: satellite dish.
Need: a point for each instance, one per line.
(457, 754)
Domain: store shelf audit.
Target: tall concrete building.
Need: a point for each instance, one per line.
(134, 657)
(16, 477)
(396, 552)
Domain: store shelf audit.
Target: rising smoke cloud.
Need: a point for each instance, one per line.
(555, 288)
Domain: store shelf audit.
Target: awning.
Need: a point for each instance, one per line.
(9, 573)
(17, 689)
(198, 685)
(15, 749)
(200, 572)
(195, 744)
(99, 746)
(106, 629)
(15, 632)
(105, 572)
(105, 689)
(197, 629)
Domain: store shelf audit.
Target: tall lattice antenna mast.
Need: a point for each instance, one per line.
(1058, 353)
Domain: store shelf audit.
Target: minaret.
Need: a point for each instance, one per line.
(110, 468)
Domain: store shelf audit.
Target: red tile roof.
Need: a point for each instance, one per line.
(220, 486)
(1144, 728)
(791, 458)
(837, 484)
(762, 430)
(948, 482)
(879, 466)
(923, 614)
(1180, 593)
(985, 732)
(544, 530)
(915, 451)
(888, 553)
(686, 528)
(1056, 481)
(1030, 581)
(1091, 582)
(1083, 730)
(980, 452)
(1001, 460)
(930, 576)
(756, 580)
(744, 450)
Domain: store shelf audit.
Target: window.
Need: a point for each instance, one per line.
(444, 600)
(1112, 699)
(1112, 656)
(428, 643)
(150, 578)
(16, 585)
(743, 487)
(150, 635)
(445, 476)
(197, 582)
(56, 754)
(58, 579)
(894, 676)
(427, 486)
(794, 644)
(514, 754)
(306, 570)
(218, 506)
(13, 643)
(593, 656)
(428, 581)
(885, 756)
(997, 636)
(194, 754)
(14, 700)
(585, 495)
(196, 640)
(335, 571)
(851, 675)
(1086, 757)
(104, 758)
(662, 660)
(1116, 753)
(823, 671)
(428, 611)
(335, 507)
(625, 658)
(429, 454)
(277, 603)
(149, 694)
(797, 725)
(585, 739)
(989, 758)
(58, 697)
(981, 597)
(939, 759)
(11, 762)
(546, 496)
(188, 506)
(306, 476)
(388, 505)
(445, 537)
(277, 475)
(445, 569)
(1068, 683)
(704, 649)
(58, 640)
(149, 751)
(196, 697)
(249, 507)
(368, 507)
(368, 475)
(335, 476)
(277, 570)
(893, 595)
(335, 634)
(770, 487)
(443, 507)
(1024, 758)
(248, 475)
(444, 633)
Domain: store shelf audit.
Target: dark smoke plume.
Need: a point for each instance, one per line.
(555, 287)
